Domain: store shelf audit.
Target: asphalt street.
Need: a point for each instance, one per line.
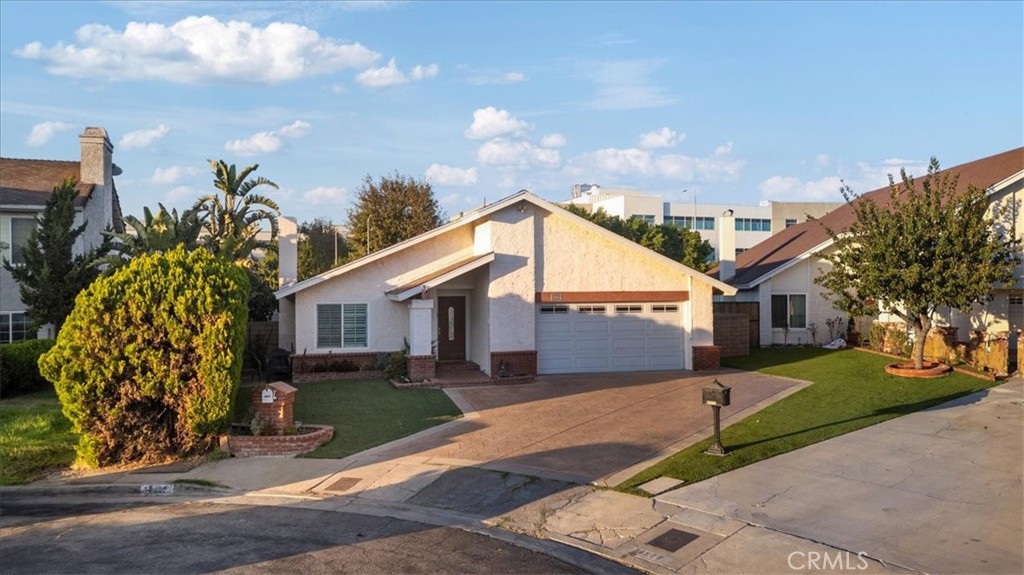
(119, 533)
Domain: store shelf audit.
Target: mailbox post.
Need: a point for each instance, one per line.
(717, 396)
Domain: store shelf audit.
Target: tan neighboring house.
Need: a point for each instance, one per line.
(25, 186)
(520, 283)
(778, 274)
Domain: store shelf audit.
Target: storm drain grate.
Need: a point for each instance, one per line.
(343, 484)
(672, 540)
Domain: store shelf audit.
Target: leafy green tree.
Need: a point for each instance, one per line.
(927, 247)
(232, 218)
(149, 361)
(678, 244)
(51, 275)
(159, 233)
(390, 211)
(321, 248)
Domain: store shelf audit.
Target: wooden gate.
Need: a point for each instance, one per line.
(749, 308)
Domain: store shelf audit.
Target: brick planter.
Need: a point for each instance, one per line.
(930, 370)
(277, 445)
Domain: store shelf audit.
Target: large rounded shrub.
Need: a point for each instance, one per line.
(147, 364)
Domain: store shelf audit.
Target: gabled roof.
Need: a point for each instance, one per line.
(480, 214)
(796, 243)
(30, 182)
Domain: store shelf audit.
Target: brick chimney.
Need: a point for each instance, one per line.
(726, 246)
(97, 168)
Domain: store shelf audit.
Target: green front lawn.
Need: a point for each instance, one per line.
(35, 437)
(364, 413)
(850, 391)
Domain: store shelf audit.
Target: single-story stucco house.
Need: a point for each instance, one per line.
(778, 274)
(520, 285)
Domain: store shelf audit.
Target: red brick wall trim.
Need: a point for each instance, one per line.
(278, 445)
(337, 375)
(610, 296)
(706, 357)
(420, 367)
(517, 363)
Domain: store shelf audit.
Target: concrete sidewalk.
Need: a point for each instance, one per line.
(934, 491)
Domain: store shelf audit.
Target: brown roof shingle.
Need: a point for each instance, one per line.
(781, 248)
(30, 182)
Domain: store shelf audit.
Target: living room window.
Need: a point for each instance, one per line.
(341, 325)
(15, 326)
(789, 310)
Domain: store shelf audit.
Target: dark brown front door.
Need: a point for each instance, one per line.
(451, 328)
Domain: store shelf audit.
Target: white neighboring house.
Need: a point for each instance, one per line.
(753, 224)
(778, 274)
(522, 282)
(25, 186)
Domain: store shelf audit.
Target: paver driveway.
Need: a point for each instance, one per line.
(584, 426)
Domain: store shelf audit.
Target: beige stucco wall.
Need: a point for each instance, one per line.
(513, 278)
(388, 320)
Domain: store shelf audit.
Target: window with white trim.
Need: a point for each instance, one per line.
(14, 235)
(659, 308)
(629, 309)
(551, 309)
(591, 309)
(341, 325)
(15, 326)
(789, 311)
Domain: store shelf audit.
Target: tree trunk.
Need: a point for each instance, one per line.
(921, 328)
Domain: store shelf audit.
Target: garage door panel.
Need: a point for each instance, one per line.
(579, 342)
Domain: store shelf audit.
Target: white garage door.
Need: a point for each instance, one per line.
(579, 338)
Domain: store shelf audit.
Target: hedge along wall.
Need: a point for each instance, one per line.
(148, 363)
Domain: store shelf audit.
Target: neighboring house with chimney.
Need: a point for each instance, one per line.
(777, 275)
(25, 186)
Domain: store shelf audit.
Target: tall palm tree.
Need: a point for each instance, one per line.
(232, 218)
(159, 233)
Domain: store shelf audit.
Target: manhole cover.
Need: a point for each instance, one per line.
(343, 484)
(672, 540)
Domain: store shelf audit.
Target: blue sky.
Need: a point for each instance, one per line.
(738, 102)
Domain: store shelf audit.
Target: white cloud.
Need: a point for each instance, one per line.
(553, 141)
(268, 142)
(326, 195)
(866, 177)
(199, 49)
(41, 133)
(663, 138)
(172, 174)
(625, 85)
(390, 75)
(259, 143)
(490, 122)
(443, 175)
(517, 153)
(822, 160)
(634, 162)
(724, 150)
(297, 129)
(179, 193)
(488, 78)
(143, 138)
(424, 72)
